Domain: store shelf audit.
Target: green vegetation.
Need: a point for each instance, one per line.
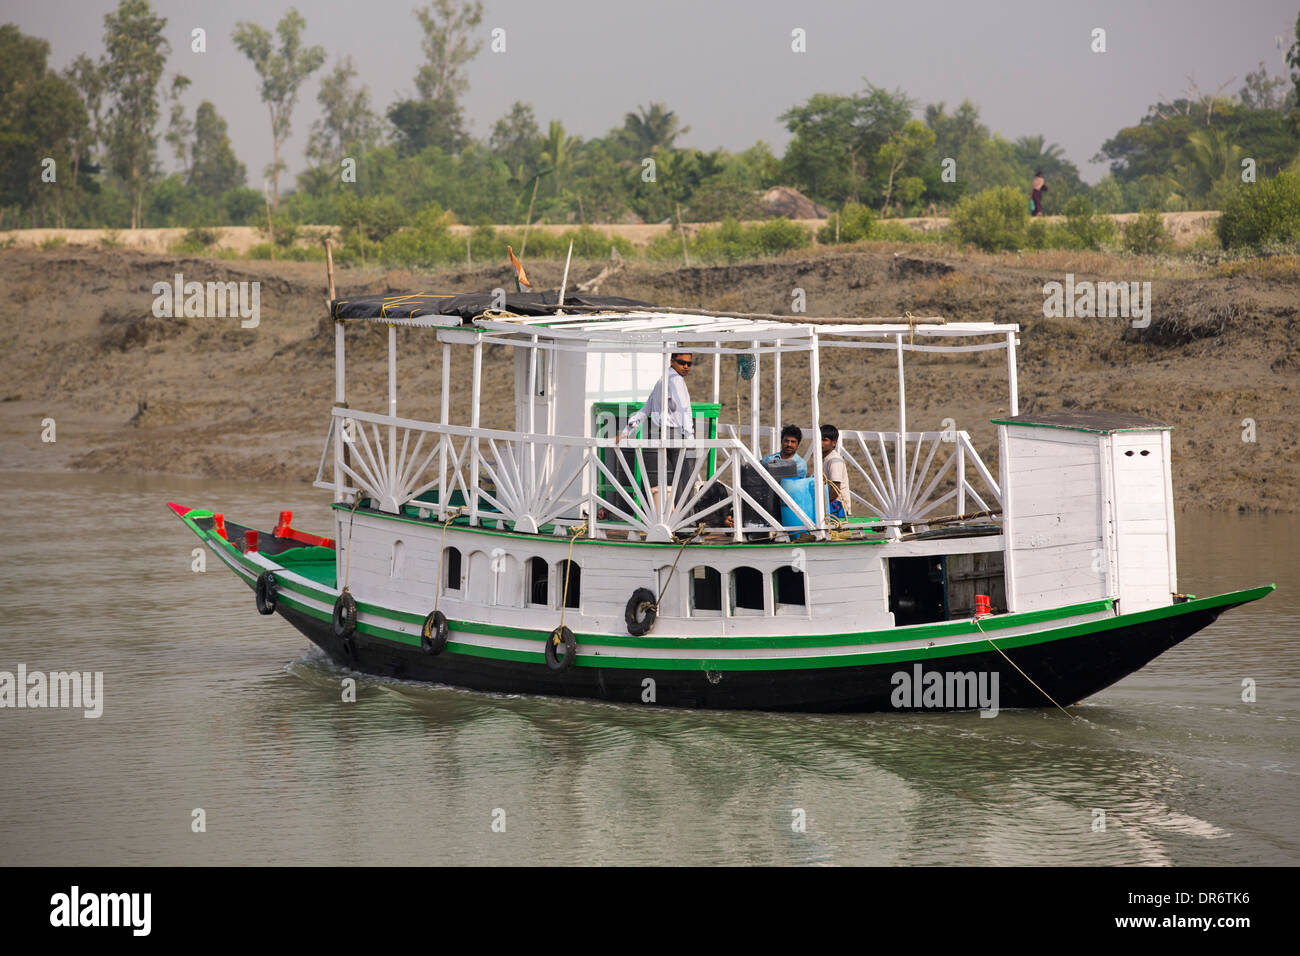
(993, 220)
(394, 179)
(1084, 226)
(853, 223)
(197, 240)
(1263, 213)
(1146, 235)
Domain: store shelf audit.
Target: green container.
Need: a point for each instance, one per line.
(610, 418)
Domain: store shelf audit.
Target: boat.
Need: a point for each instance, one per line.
(548, 558)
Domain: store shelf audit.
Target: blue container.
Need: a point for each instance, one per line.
(801, 490)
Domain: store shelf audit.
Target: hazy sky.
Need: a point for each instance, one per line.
(727, 68)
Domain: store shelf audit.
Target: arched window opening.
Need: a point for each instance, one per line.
(451, 569)
(706, 589)
(538, 582)
(747, 590)
(572, 597)
(788, 587)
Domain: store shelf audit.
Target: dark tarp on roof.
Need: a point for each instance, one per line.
(468, 304)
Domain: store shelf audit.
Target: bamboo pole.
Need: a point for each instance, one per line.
(329, 266)
(685, 256)
(528, 219)
(270, 230)
(565, 281)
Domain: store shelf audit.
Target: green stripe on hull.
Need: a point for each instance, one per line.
(950, 629)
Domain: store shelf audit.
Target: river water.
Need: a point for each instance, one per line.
(209, 706)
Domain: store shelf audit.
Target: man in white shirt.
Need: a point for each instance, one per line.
(834, 470)
(679, 419)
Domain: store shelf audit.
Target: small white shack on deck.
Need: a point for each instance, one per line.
(1088, 510)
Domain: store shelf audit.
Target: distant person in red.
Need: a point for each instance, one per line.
(1039, 186)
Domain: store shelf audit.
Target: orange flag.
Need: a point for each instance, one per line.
(521, 279)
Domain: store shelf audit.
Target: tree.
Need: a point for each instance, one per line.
(557, 152)
(1293, 61)
(1033, 154)
(346, 119)
(282, 72)
(447, 28)
(214, 169)
(835, 138)
(137, 53)
(88, 79)
(421, 124)
(906, 148)
(649, 130)
(179, 129)
(434, 116)
(41, 118)
(1263, 92)
(518, 142)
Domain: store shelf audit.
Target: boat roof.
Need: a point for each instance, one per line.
(459, 308)
(1100, 421)
(586, 317)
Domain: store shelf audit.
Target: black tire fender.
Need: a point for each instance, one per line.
(345, 615)
(561, 635)
(640, 612)
(265, 593)
(433, 636)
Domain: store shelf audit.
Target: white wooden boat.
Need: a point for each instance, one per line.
(543, 559)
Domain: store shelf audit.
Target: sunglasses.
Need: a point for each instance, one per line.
(682, 364)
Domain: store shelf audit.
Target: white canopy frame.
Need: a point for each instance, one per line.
(393, 480)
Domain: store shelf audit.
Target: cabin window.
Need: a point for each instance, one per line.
(746, 591)
(706, 589)
(451, 565)
(918, 589)
(538, 582)
(399, 559)
(788, 588)
(573, 596)
(482, 578)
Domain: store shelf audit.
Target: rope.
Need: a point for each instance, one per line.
(680, 551)
(576, 532)
(442, 550)
(347, 565)
(1022, 673)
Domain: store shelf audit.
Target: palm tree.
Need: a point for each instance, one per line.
(1032, 151)
(652, 129)
(557, 152)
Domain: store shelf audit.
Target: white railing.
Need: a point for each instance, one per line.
(897, 478)
(532, 481)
